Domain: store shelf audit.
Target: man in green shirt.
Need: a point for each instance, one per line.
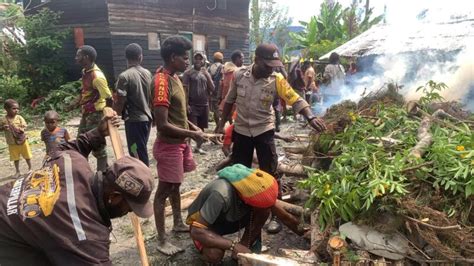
(133, 102)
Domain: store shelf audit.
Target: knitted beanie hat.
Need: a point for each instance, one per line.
(218, 56)
(254, 186)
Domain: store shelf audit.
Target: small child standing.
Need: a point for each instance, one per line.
(52, 135)
(14, 126)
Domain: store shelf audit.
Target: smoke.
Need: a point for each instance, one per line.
(461, 83)
(453, 65)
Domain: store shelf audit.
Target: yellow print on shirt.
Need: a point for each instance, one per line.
(266, 99)
(41, 192)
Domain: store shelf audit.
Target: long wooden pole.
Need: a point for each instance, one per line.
(119, 153)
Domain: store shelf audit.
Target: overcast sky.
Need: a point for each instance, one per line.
(397, 10)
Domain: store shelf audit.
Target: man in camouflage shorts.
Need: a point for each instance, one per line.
(95, 95)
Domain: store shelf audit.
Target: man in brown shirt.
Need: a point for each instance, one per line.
(198, 83)
(171, 150)
(253, 90)
(60, 214)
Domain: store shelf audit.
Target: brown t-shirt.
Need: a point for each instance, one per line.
(53, 211)
(196, 82)
(168, 91)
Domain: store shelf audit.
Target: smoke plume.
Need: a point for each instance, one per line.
(453, 65)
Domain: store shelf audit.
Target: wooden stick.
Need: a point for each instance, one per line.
(451, 227)
(289, 220)
(119, 153)
(424, 138)
(293, 170)
(295, 209)
(317, 237)
(295, 149)
(336, 260)
(416, 247)
(417, 166)
(187, 199)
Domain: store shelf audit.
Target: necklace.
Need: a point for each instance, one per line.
(250, 225)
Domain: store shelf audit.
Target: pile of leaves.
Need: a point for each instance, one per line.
(377, 162)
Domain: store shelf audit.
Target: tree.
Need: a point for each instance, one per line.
(322, 33)
(8, 18)
(358, 19)
(268, 23)
(39, 61)
(329, 21)
(333, 26)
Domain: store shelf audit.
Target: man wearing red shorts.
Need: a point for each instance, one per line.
(171, 151)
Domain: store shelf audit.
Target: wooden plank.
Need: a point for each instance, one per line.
(186, 200)
(119, 153)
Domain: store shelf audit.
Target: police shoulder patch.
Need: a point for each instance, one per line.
(129, 184)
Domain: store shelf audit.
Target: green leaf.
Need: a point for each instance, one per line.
(469, 190)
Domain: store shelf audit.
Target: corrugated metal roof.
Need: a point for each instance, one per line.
(455, 34)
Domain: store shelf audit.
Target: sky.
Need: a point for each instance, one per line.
(397, 10)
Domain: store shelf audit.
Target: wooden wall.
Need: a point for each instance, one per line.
(110, 25)
(132, 20)
(92, 17)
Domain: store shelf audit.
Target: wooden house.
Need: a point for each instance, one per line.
(110, 25)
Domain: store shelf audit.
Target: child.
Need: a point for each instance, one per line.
(14, 126)
(52, 135)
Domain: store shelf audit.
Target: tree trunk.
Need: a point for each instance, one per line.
(295, 209)
(292, 170)
(255, 21)
(316, 234)
(367, 7)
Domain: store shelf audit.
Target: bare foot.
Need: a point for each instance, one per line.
(168, 249)
(180, 228)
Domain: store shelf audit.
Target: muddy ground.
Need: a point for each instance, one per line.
(123, 248)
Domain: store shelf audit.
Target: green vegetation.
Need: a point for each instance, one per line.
(39, 64)
(33, 69)
(333, 26)
(373, 169)
(59, 98)
(268, 23)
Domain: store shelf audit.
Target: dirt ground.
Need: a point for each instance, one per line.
(123, 248)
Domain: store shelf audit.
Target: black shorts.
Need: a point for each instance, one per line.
(243, 147)
(199, 115)
(214, 105)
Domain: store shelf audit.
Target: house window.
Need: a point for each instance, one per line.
(153, 41)
(222, 42)
(222, 4)
(78, 37)
(199, 43)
